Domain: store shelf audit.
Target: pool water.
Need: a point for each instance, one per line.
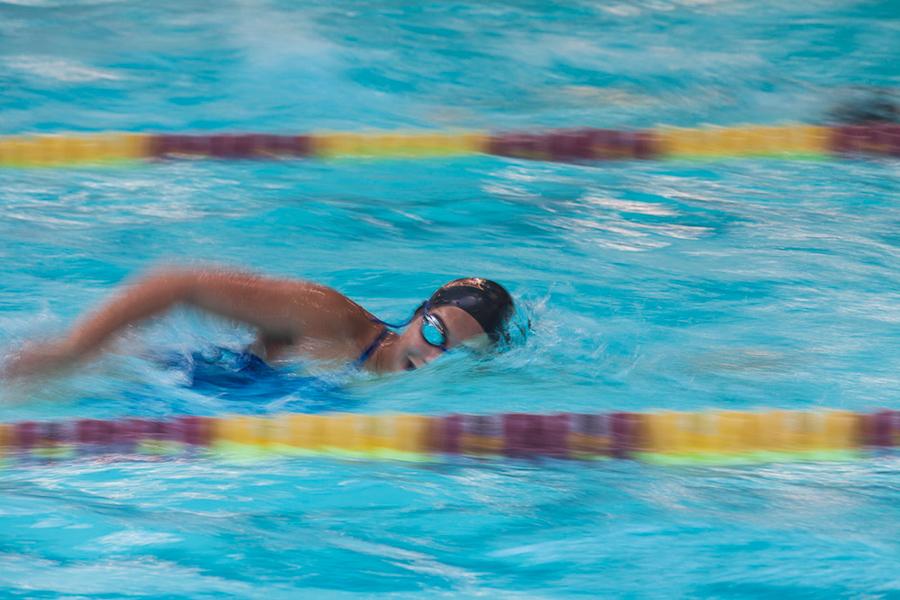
(648, 285)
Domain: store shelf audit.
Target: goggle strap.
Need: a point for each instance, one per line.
(404, 323)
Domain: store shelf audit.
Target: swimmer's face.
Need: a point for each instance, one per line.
(461, 329)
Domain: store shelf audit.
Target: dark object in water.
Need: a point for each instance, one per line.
(879, 107)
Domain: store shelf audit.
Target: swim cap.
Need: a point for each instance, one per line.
(487, 301)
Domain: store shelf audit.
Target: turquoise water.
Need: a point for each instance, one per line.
(674, 285)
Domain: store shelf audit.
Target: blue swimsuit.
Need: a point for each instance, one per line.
(218, 369)
(242, 377)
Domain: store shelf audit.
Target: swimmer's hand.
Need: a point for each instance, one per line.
(37, 358)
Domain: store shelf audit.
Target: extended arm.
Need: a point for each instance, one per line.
(277, 308)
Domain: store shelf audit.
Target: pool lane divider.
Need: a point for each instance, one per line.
(565, 145)
(710, 437)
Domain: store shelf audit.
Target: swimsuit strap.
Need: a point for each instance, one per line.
(370, 349)
(386, 329)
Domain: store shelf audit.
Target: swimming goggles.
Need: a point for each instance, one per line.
(433, 329)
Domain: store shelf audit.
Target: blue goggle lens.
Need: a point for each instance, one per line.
(433, 332)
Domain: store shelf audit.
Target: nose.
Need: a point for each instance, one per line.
(424, 354)
(431, 353)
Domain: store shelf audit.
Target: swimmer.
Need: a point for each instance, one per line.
(292, 319)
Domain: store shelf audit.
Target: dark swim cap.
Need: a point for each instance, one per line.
(487, 301)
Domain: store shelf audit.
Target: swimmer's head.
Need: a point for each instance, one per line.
(470, 312)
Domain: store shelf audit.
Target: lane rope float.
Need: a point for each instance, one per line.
(717, 437)
(565, 145)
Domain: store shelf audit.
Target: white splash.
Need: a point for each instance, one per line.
(62, 70)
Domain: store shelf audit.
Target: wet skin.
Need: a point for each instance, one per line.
(292, 318)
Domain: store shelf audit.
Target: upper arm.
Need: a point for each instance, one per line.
(285, 309)
(277, 307)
